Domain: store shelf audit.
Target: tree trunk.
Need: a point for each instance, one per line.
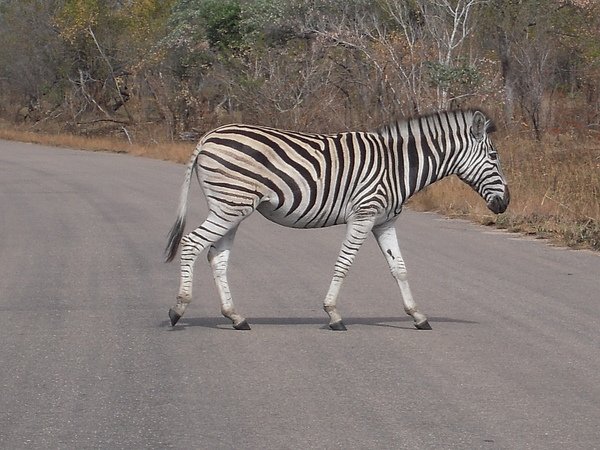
(507, 76)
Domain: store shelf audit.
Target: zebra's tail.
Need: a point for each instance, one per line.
(178, 227)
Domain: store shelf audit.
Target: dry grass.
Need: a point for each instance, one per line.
(555, 184)
(168, 151)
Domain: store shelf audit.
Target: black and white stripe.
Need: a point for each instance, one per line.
(306, 180)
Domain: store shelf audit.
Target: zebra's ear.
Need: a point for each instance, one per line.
(479, 126)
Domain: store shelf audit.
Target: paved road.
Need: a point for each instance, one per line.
(88, 359)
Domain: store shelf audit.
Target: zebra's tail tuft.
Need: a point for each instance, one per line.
(176, 232)
(174, 239)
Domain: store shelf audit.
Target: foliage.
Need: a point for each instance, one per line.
(216, 21)
(460, 77)
(193, 63)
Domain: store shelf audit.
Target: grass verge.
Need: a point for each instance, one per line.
(168, 151)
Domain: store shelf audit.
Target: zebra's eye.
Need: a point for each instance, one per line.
(493, 156)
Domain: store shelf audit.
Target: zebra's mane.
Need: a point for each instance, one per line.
(392, 128)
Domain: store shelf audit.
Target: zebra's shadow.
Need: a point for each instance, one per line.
(222, 323)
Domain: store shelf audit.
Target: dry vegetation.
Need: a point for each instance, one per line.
(176, 151)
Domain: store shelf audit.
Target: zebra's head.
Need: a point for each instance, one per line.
(479, 166)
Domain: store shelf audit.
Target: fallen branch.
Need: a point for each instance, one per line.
(120, 122)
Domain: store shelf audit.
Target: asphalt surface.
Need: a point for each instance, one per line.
(88, 359)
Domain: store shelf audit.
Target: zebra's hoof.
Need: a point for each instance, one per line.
(174, 317)
(423, 325)
(243, 325)
(338, 326)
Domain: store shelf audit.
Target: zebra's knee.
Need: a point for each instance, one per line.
(399, 273)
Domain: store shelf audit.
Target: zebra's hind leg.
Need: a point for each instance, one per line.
(356, 232)
(388, 243)
(212, 230)
(218, 257)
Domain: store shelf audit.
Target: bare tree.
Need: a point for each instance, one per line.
(527, 53)
(449, 25)
(535, 64)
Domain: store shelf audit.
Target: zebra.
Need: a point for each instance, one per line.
(304, 180)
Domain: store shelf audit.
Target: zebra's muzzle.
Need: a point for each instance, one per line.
(498, 204)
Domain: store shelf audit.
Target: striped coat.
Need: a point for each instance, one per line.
(306, 180)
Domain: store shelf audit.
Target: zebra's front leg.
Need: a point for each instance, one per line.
(356, 232)
(388, 243)
(218, 257)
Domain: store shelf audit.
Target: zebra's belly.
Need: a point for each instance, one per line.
(299, 218)
(295, 221)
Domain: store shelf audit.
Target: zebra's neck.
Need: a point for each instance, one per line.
(424, 149)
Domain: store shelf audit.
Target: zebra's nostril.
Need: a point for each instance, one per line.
(498, 204)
